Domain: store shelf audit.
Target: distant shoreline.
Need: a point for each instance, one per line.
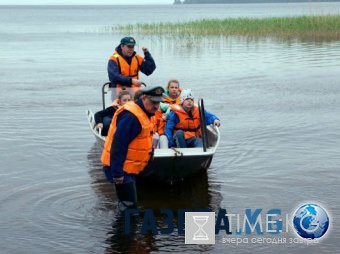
(167, 4)
(314, 27)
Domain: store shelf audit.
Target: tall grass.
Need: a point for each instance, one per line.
(290, 27)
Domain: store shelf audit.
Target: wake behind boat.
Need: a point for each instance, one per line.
(173, 164)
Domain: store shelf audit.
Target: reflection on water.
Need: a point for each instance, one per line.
(192, 194)
(118, 241)
(103, 189)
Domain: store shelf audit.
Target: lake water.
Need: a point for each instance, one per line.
(279, 103)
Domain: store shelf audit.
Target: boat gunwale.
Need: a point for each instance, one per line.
(165, 153)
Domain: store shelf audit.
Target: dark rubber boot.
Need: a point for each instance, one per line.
(127, 196)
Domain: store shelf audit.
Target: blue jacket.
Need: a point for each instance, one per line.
(128, 128)
(147, 67)
(173, 119)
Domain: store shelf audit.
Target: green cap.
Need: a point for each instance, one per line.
(128, 41)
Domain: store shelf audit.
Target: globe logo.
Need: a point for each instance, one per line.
(311, 221)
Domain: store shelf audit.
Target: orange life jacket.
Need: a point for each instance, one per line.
(171, 101)
(127, 70)
(190, 125)
(139, 150)
(159, 123)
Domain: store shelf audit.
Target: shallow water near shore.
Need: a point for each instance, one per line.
(278, 100)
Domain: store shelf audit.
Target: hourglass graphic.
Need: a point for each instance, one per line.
(200, 234)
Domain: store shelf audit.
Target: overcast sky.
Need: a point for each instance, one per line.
(109, 2)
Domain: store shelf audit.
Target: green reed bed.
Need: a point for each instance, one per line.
(300, 27)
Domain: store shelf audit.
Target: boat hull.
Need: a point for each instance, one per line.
(173, 169)
(172, 165)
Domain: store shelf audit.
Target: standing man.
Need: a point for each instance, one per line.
(183, 127)
(124, 66)
(128, 146)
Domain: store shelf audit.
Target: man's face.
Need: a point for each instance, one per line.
(149, 105)
(127, 50)
(188, 104)
(173, 89)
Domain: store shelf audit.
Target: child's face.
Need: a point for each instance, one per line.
(173, 89)
(125, 99)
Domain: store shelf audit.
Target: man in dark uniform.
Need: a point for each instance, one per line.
(128, 147)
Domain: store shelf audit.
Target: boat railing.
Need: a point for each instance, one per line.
(105, 89)
(203, 124)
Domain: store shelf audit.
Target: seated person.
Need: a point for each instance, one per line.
(104, 117)
(183, 124)
(160, 140)
(171, 96)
